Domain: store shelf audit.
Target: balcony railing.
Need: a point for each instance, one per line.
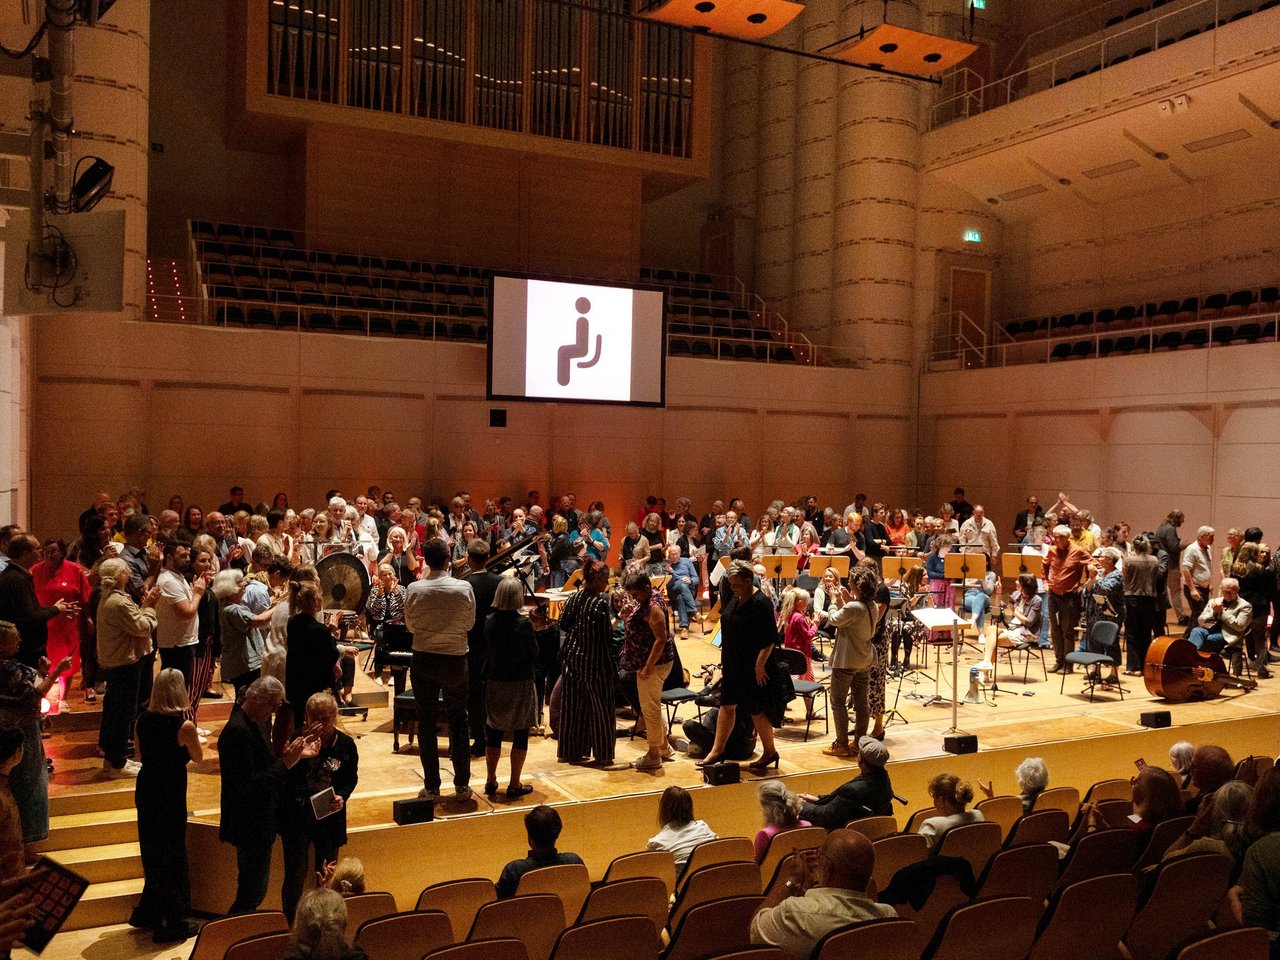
(591, 76)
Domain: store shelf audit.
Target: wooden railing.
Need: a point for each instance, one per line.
(554, 70)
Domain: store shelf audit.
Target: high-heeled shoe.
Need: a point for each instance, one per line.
(491, 788)
(764, 763)
(707, 761)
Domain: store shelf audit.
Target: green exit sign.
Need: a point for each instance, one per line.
(979, 4)
(972, 236)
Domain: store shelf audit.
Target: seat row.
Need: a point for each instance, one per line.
(265, 316)
(1195, 338)
(1186, 310)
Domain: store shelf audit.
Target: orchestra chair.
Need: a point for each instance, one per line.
(1040, 826)
(809, 690)
(1104, 636)
(1073, 918)
(787, 842)
(635, 896)
(721, 924)
(368, 906)
(894, 853)
(918, 818)
(536, 920)
(723, 850)
(1243, 943)
(884, 939)
(459, 900)
(1184, 898)
(266, 946)
(713, 883)
(1029, 870)
(1098, 854)
(216, 935)
(1002, 928)
(500, 948)
(677, 697)
(646, 863)
(873, 828)
(1058, 798)
(1162, 838)
(404, 936)
(975, 842)
(947, 894)
(615, 938)
(568, 881)
(1004, 811)
(1028, 651)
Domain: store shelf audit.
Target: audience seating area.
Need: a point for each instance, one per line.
(1219, 319)
(265, 278)
(1038, 878)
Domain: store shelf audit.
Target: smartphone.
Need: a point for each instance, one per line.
(1141, 764)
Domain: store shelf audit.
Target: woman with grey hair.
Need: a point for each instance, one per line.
(1224, 831)
(1032, 777)
(780, 810)
(320, 929)
(1180, 755)
(1104, 601)
(242, 641)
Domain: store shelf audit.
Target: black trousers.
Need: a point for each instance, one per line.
(178, 658)
(253, 870)
(1140, 615)
(120, 710)
(433, 674)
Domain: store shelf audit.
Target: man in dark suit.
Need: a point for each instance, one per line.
(251, 778)
(483, 585)
(1025, 518)
(18, 603)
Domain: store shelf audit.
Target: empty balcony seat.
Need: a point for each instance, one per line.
(1082, 349)
(1169, 340)
(1198, 337)
(202, 230)
(351, 323)
(1105, 346)
(743, 351)
(281, 238)
(397, 269)
(1213, 305)
(1060, 351)
(1118, 18)
(321, 320)
(1165, 42)
(1105, 316)
(1240, 15)
(1267, 5)
(783, 354)
(1163, 313)
(227, 232)
(241, 253)
(230, 314)
(1143, 344)
(679, 347)
(1269, 298)
(1125, 344)
(261, 317)
(1188, 310)
(407, 327)
(1193, 32)
(289, 318)
(1239, 302)
(1269, 330)
(1013, 328)
(1126, 315)
(461, 331)
(1119, 60)
(1079, 74)
(703, 279)
(1248, 332)
(380, 326)
(1135, 12)
(678, 328)
(1065, 322)
(1222, 335)
(1084, 319)
(702, 348)
(1141, 52)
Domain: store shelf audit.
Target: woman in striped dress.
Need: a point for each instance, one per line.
(588, 673)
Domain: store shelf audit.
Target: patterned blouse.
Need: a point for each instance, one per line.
(637, 642)
(385, 607)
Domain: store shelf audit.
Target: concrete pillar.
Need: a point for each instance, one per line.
(875, 216)
(775, 181)
(815, 157)
(742, 152)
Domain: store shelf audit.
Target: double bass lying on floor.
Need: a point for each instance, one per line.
(1178, 672)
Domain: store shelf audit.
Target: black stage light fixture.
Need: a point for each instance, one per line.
(92, 185)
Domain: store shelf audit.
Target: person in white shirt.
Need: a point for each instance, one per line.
(1197, 571)
(951, 796)
(981, 531)
(438, 611)
(680, 833)
(822, 890)
(177, 607)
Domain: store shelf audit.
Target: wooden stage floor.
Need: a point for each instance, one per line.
(1019, 715)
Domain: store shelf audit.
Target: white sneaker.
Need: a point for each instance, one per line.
(130, 769)
(462, 794)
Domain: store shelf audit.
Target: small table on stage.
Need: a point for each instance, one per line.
(941, 618)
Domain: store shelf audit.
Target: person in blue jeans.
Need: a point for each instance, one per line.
(977, 598)
(683, 588)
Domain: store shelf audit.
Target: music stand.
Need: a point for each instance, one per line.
(960, 567)
(779, 567)
(818, 565)
(898, 567)
(1014, 565)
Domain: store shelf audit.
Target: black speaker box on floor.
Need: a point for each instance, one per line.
(417, 810)
(717, 775)
(960, 743)
(1155, 718)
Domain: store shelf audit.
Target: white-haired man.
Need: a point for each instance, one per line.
(1224, 623)
(1197, 571)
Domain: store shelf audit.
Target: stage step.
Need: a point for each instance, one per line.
(117, 797)
(96, 828)
(105, 903)
(89, 716)
(103, 864)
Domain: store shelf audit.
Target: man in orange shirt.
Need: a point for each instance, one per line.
(1064, 566)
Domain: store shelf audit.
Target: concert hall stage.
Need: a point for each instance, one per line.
(612, 811)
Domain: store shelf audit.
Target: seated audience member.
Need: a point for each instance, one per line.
(320, 929)
(542, 825)
(869, 794)
(1224, 623)
(977, 598)
(680, 833)
(1211, 767)
(1223, 828)
(825, 889)
(1180, 755)
(1156, 798)
(682, 588)
(780, 810)
(1032, 777)
(701, 734)
(1025, 615)
(1256, 897)
(951, 796)
(346, 876)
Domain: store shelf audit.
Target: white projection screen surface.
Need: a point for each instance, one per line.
(578, 342)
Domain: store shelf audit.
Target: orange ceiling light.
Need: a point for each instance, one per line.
(744, 19)
(900, 50)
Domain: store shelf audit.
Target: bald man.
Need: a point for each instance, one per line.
(824, 889)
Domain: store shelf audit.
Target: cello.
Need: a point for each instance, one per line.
(1178, 672)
